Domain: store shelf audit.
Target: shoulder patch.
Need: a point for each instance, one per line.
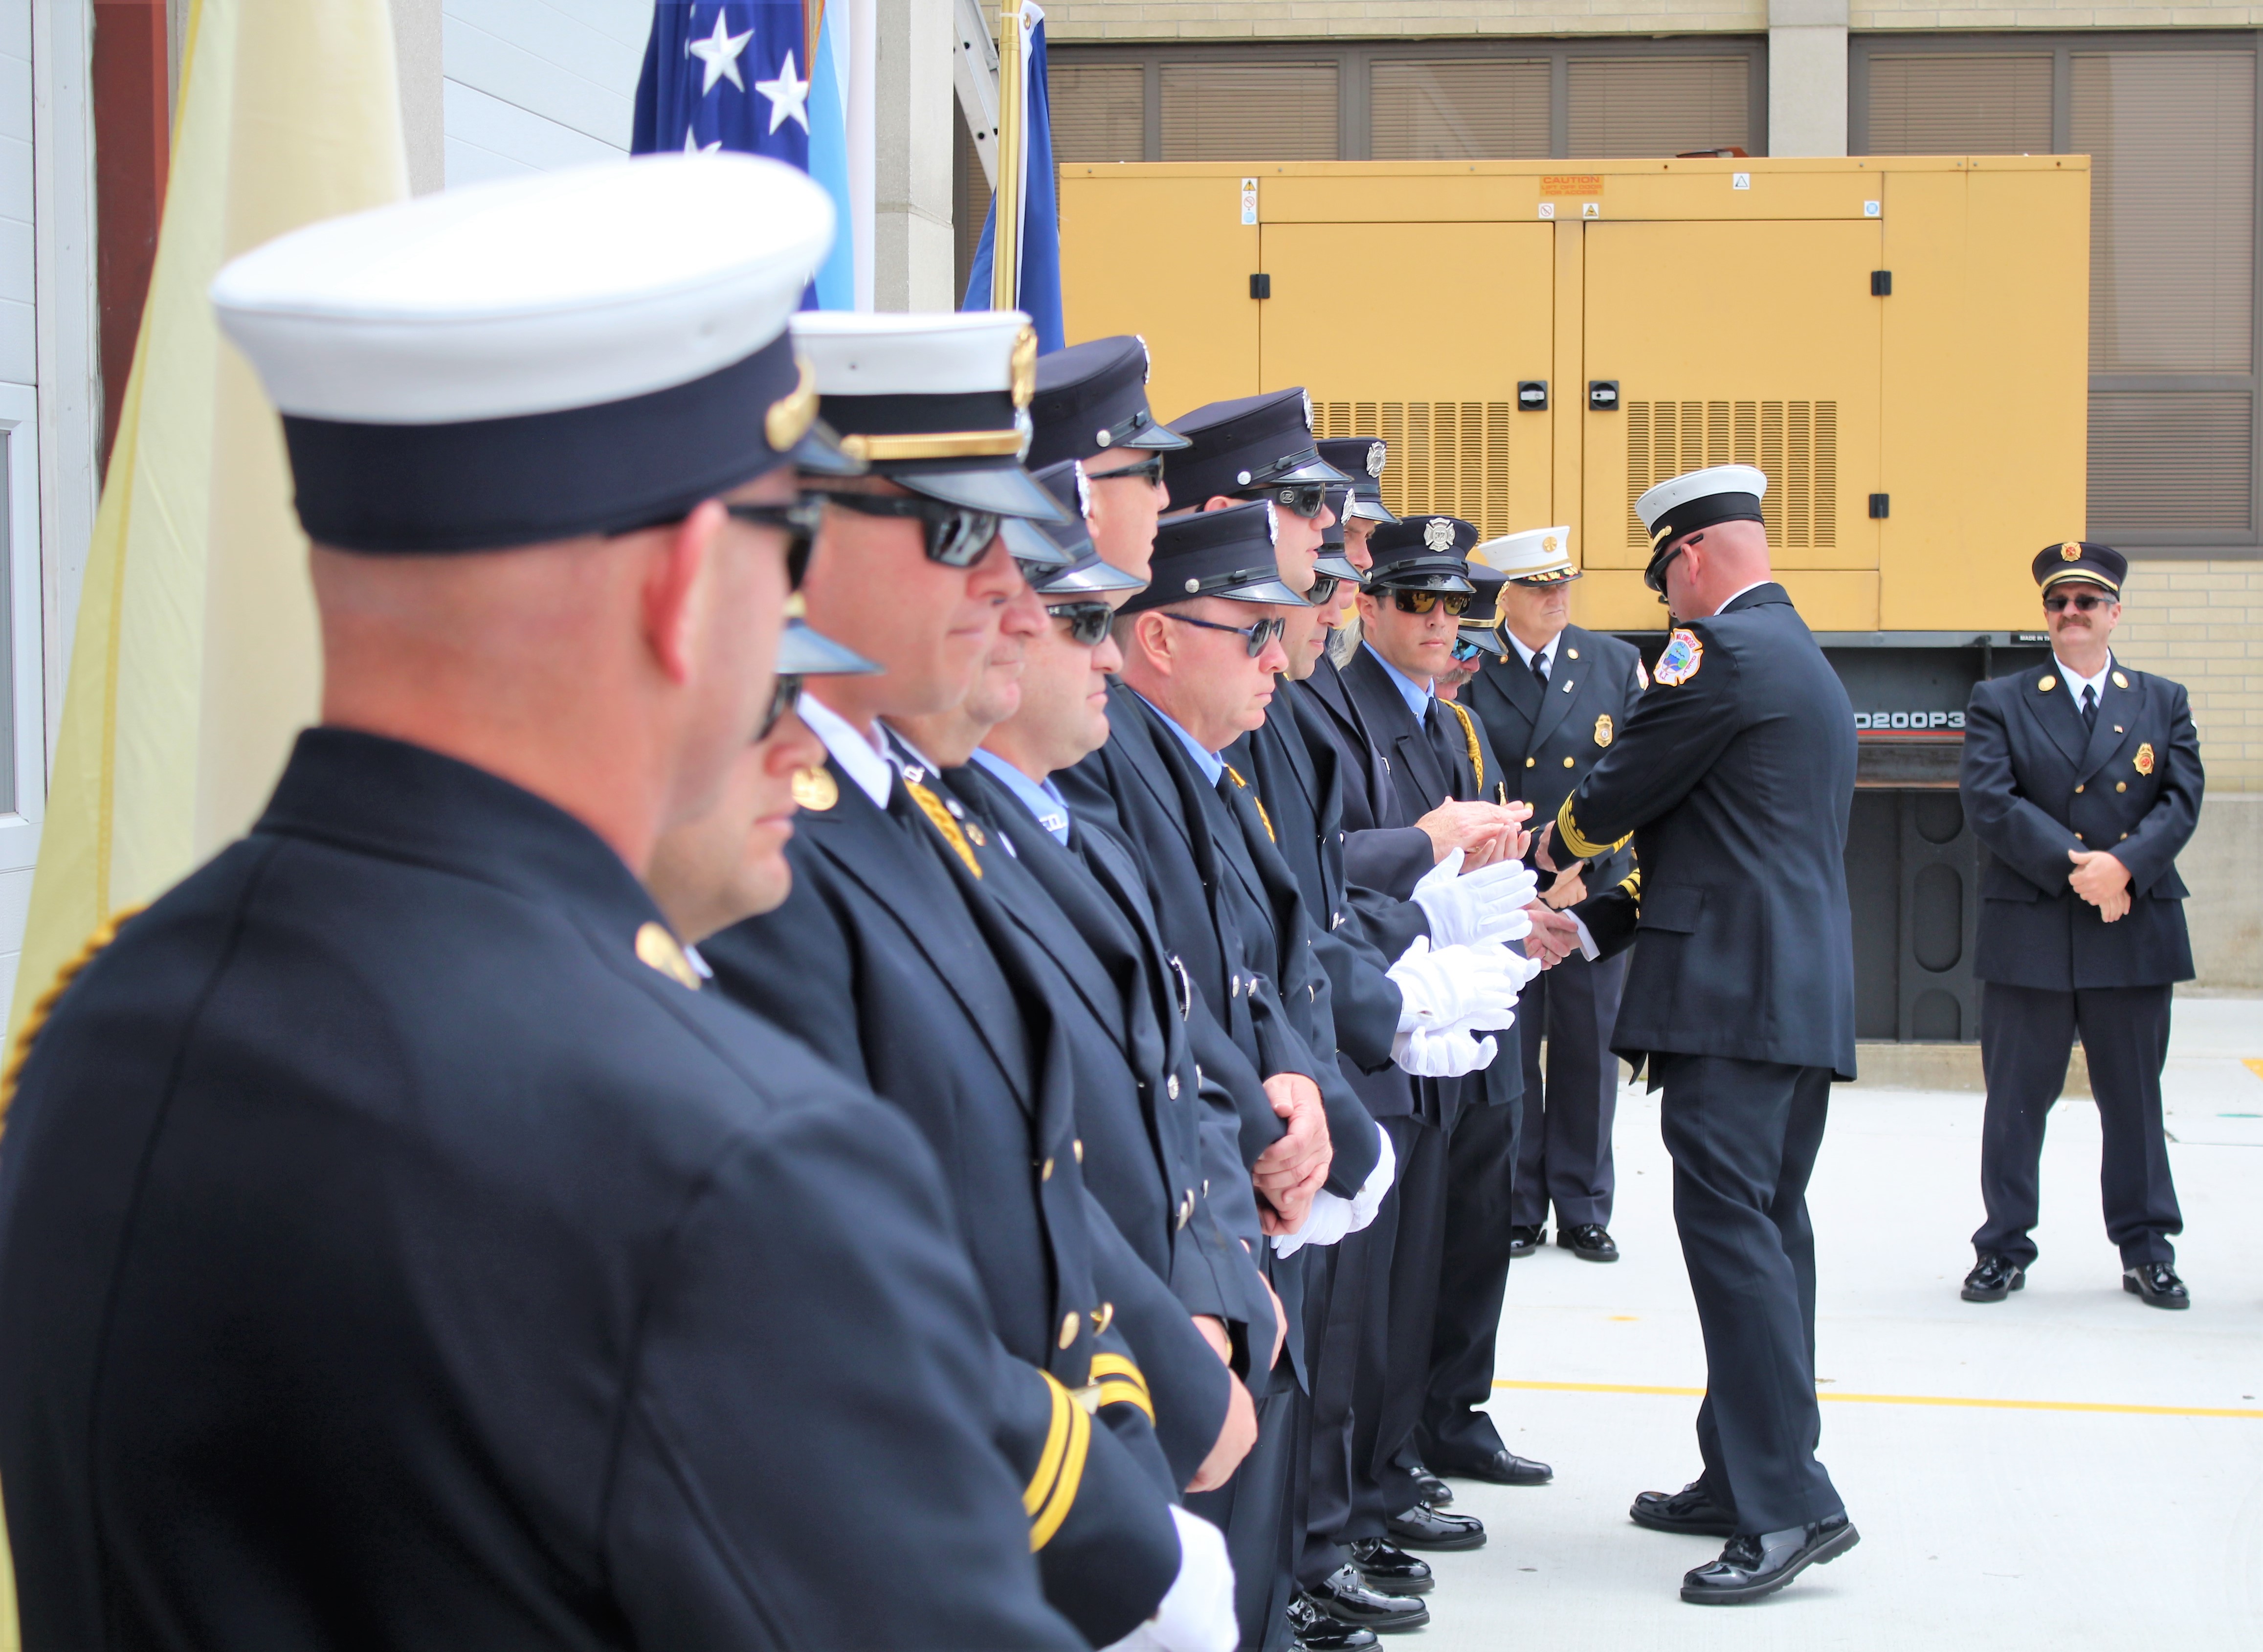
(1684, 653)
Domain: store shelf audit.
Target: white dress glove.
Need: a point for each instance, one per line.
(1447, 1052)
(1196, 1615)
(1332, 1216)
(1485, 905)
(1457, 986)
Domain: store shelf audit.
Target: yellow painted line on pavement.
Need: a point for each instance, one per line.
(1906, 1399)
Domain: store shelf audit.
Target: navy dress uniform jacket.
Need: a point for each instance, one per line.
(1383, 850)
(408, 1264)
(1735, 783)
(876, 958)
(2037, 783)
(1549, 739)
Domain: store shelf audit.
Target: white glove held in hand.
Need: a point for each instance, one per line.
(1445, 1054)
(1197, 1614)
(1457, 986)
(1487, 905)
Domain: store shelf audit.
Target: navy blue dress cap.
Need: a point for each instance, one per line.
(1424, 552)
(1082, 573)
(581, 352)
(2081, 559)
(1092, 398)
(1225, 553)
(1331, 558)
(937, 404)
(1361, 458)
(1244, 446)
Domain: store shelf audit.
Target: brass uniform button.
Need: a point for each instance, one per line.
(1069, 1331)
(1528, 762)
(1567, 763)
(1102, 1317)
(2120, 785)
(2077, 791)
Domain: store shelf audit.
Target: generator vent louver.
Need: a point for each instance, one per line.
(1795, 443)
(1447, 458)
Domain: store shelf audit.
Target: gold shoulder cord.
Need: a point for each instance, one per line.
(1267, 819)
(36, 1018)
(939, 817)
(1468, 733)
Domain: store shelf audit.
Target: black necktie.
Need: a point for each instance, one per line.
(2090, 706)
(1540, 666)
(1447, 740)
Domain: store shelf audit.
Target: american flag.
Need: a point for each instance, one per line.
(725, 75)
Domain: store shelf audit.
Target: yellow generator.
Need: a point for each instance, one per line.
(1900, 342)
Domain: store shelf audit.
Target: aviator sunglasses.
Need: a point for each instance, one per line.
(1324, 589)
(797, 521)
(1256, 636)
(2059, 601)
(956, 537)
(1424, 601)
(1088, 622)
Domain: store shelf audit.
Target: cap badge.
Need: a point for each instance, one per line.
(1146, 356)
(1083, 491)
(1307, 395)
(657, 949)
(2143, 761)
(1023, 366)
(790, 415)
(1684, 653)
(1548, 542)
(1438, 534)
(1272, 523)
(2070, 553)
(1376, 455)
(815, 789)
(1603, 729)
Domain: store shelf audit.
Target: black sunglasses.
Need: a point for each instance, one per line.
(956, 537)
(1149, 470)
(1256, 636)
(797, 521)
(1654, 577)
(1088, 622)
(1424, 601)
(1465, 651)
(1324, 589)
(2059, 601)
(1304, 498)
(785, 695)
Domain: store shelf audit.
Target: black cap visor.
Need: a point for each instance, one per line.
(1002, 487)
(805, 652)
(1090, 577)
(818, 453)
(1036, 550)
(1340, 566)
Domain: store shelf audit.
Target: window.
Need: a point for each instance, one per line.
(1416, 100)
(2169, 122)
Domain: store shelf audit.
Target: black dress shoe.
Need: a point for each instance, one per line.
(1431, 1490)
(1590, 1242)
(1388, 1570)
(1523, 1242)
(1314, 1631)
(1344, 1595)
(1424, 1527)
(1505, 1468)
(1993, 1279)
(1691, 1511)
(1751, 1567)
(2156, 1285)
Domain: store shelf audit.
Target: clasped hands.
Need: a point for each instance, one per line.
(2100, 880)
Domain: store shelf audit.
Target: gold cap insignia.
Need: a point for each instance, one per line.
(2046, 685)
(815, 789)
(2143, 761)
(1548, 542)
(1603, 729)
(2120, 681)
(1023, 367)
(2070, 551)
(657, 949)
(792, 415)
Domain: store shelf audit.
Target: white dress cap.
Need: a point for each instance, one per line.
(920, 353)
(571, 289)
(1698, 484)
(1537, 555)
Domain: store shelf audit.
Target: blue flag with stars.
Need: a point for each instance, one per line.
(724, 75)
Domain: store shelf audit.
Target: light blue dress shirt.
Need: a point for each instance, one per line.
(1417, 695)
(1210, 764)
(1041, 797)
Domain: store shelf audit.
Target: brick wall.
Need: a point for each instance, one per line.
(2201, 623)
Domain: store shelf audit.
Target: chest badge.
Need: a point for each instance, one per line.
(2143, 761)
(1603, 729)
(815, 789)
(1684, 653)
(657, 949)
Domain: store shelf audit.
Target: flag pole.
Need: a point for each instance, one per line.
(1006, 234)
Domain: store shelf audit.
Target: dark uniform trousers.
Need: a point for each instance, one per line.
(1548, 737)
(1735, 775)
(2039, 780)
(884, 957)
(415, 1258)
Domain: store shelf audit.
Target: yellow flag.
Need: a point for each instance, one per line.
(197, 658)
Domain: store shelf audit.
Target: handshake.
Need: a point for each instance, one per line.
(1462, 979)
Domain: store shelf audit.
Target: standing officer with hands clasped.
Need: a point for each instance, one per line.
(1734, 775)
(2084, 780)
